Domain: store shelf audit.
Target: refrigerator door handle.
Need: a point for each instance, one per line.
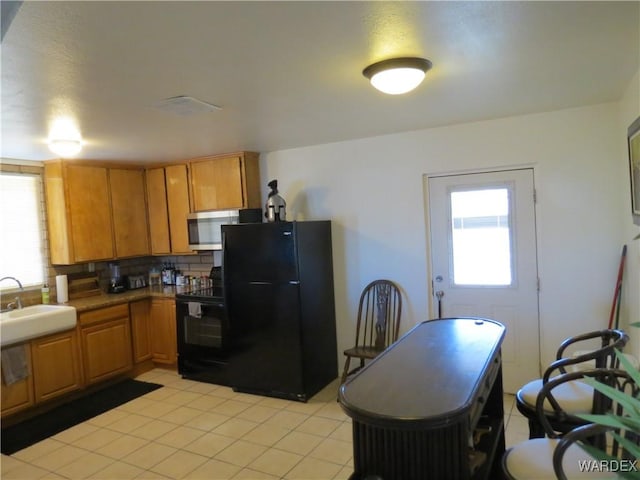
(294, 282)
(259, 283)
(287, 233)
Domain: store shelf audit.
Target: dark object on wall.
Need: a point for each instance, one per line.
(633, 137)
(278, 287)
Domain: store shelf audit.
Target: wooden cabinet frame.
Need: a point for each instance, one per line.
(124, 334)
(95, 212)
(141, 329)
(78, 212)
(104, 211)
(56, 365)
(164, 339)
(18, 396)
(105, 342)
(223, 182)
(168, 205)
(129, 212)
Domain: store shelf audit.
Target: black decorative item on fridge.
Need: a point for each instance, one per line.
(276, 207)
(278, 288)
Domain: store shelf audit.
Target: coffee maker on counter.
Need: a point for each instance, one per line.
(116, 281)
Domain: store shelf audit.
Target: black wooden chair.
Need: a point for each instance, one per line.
(574, 397)
(575, 448)
(535, 458)
(377, 325)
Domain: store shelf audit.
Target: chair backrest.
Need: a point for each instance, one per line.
(620, 438)
(602, 357)
(602, 404)
(379, 313)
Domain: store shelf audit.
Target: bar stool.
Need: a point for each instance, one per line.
(538, 458)
(574, 397)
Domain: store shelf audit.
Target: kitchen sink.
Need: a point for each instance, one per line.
(35, 321)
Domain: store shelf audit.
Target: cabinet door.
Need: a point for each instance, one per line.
(56, 365)
(158, 213)
(129, 212)
(90, 213)
(217, 183)
(18, 396)
(140, 313)
(178, 207)
(106, 349)
(164, 338)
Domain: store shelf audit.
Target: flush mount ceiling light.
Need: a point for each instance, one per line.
(397, 75)
(64, 138)
(65, 148)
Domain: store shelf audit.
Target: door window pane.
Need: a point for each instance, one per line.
(481, 237)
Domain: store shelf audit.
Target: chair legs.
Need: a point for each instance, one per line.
(536, 430)
(345, 372)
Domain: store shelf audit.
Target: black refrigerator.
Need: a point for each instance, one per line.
(278, 287)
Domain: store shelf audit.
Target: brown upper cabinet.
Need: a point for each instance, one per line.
(103, 212)
(95, 212)
(78, 213)
(129, 212)
(168, 204)
(225, 182)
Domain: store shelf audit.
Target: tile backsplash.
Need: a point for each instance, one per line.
(193, 265)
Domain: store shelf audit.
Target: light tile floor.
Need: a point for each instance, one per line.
(192, 430)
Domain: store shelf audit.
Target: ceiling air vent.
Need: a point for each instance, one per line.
(186, 106)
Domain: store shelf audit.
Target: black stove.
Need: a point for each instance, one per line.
(208, 294)
(203, 335)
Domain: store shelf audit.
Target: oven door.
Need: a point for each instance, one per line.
(203, 340)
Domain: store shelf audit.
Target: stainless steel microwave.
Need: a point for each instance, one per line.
(204, 228)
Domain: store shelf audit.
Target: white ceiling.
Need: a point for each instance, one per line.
(288, 74)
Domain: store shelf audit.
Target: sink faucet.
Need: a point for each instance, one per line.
(17, 302)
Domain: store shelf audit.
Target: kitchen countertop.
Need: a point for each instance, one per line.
(109, 299)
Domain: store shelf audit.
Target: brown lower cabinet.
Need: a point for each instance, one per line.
(141, 333)
(56, 365)
(164, 341)
(105, 342)
(19, 395)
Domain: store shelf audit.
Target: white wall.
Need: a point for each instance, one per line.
(372, 189)
(630, 311)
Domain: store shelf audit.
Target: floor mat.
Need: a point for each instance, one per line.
(33, 430)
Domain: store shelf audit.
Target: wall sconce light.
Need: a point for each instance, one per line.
(397, 75)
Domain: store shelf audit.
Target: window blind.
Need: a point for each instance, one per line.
(21, 222)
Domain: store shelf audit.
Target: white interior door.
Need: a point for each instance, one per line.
(484, 261)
